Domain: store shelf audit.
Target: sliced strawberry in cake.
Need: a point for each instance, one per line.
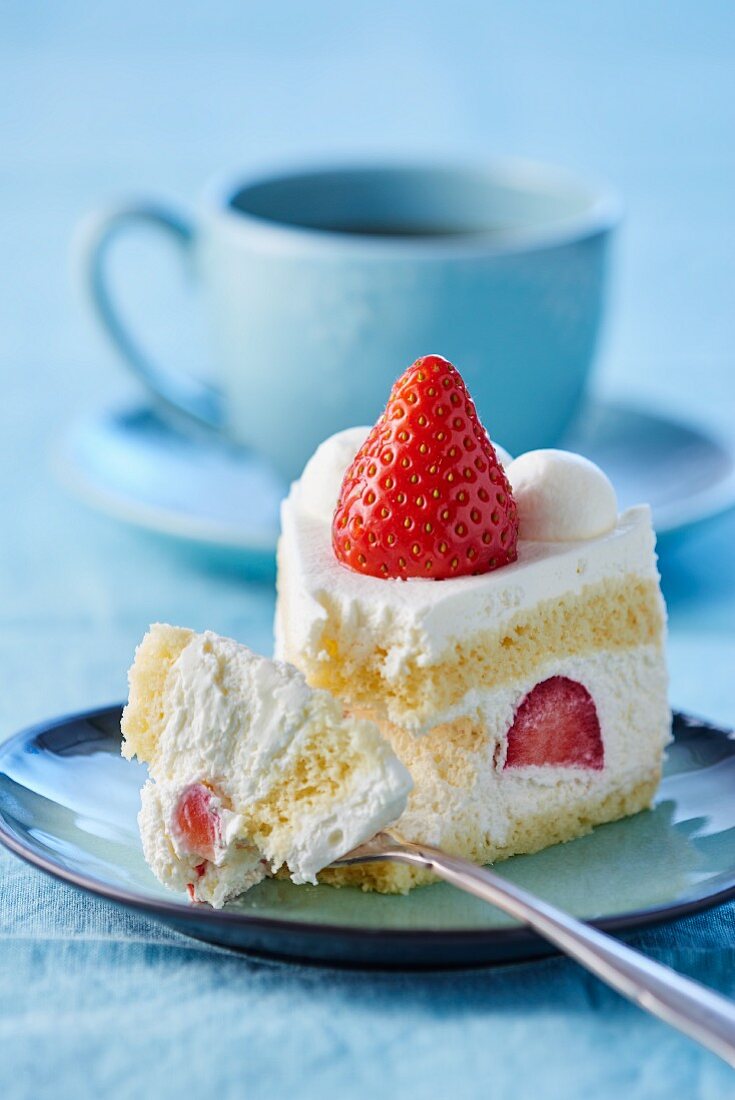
(556, 725)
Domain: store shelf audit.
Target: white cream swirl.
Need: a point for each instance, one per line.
(561, 497)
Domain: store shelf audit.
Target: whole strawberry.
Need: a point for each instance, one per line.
(425, 495)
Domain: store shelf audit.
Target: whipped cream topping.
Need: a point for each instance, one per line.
(561, 497)
(321, 480)
(425, 616)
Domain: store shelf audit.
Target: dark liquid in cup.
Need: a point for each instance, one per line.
(389, 229)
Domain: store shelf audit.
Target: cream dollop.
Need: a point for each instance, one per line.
(321, 480)
(561, 497)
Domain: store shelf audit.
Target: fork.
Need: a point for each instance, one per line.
(698, 1012)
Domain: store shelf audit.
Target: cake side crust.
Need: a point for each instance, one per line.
(143, 718)
(529, 834)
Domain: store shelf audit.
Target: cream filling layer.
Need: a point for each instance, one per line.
(462, 789)
(229, 712)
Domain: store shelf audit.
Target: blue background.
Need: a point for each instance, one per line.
(100, 101)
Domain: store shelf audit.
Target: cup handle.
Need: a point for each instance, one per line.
(178, 391)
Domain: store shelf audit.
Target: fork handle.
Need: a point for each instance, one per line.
(698, 1012)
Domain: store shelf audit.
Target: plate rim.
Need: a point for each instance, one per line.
(182, 914)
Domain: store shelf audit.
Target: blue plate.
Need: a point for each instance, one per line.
(209, 493)
(68, 804)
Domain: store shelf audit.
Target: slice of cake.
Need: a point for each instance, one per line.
(504, 627)
(250, 770)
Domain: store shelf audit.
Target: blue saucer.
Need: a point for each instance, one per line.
(207, 492)
(139, 468)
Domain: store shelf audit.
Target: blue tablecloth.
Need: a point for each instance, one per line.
(105, 99)
(111, 1005)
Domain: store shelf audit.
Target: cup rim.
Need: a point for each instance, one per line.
(600, 215)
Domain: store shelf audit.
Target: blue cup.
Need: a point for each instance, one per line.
(322, 285)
